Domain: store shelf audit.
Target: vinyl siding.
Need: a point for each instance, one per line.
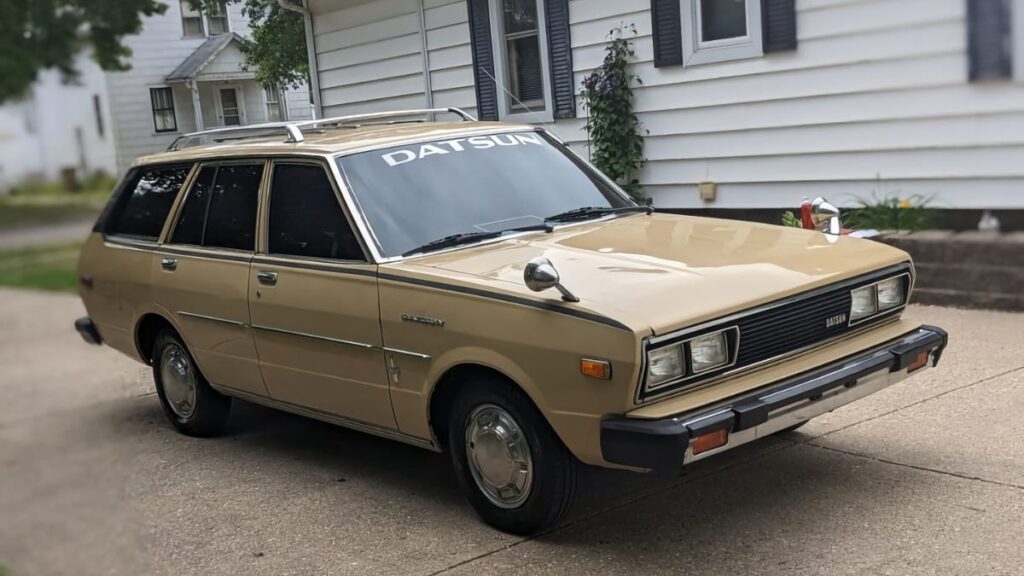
(874, 101)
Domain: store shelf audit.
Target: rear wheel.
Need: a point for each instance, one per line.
(192, 406)
(517, 474)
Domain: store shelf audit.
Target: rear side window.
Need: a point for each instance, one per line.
(220, 211)
(143, 204)
(305, 216)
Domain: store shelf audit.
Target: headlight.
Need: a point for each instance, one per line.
(865, 302)
(708, 352)
(890, 293)
(664, 364)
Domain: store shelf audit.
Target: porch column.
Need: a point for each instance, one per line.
(197, 107)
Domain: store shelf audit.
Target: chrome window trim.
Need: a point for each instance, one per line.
(889, 315)
(339, 187)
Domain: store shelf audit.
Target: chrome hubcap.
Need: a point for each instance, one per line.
(179, 381)
(499, 456)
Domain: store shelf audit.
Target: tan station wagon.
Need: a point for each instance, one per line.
(477, 288)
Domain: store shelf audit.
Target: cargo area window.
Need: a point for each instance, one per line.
(140, 209)
(220, 210)
(306, 218)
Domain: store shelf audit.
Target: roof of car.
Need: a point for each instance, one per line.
(331, 140)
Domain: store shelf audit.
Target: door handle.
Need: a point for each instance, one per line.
(268, 278)
(169, 264)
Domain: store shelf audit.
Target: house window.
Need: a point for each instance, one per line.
(191, 19)
(162, 100)
(720, 30)
(272, 96)
(217, 18)
(521, 60)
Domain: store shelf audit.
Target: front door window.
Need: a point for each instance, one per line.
(231, 110)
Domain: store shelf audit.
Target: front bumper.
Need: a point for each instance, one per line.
(668, 442)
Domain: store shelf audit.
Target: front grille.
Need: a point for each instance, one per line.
(785, 327)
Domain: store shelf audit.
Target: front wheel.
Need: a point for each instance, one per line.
(517, 474)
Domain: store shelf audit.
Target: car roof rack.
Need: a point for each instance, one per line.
(293, 130)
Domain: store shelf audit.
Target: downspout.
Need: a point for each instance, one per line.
(314, 77)
(427, 87)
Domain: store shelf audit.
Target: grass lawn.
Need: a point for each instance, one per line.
(47, 204)
(45, 268)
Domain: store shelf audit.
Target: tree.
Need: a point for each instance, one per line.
(40, 34)
(276, 52)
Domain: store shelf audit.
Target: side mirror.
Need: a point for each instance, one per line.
(540, 275)
(825, 217)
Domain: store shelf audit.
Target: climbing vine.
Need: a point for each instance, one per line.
(616, 135)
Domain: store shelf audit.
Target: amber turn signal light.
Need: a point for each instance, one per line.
(920, 362)
(596, 369)
(710, 441)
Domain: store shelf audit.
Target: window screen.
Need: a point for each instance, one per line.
(220, 210)
(141, 208)
(522, 50)
(305, 216)
(722, 19)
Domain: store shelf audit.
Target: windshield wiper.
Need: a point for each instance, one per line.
(470, 237)
(594, 211)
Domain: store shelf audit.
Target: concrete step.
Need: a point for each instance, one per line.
(939, 246)
(970, 277)
(965, 299)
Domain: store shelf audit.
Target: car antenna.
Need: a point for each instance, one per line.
(511, 95)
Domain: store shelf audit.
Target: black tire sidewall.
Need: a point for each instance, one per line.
(553, 475)
(211, 409)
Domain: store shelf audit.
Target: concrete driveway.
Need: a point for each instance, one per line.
(924, 478)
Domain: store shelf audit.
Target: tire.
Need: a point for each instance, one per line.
(192, 406)
(483, 420)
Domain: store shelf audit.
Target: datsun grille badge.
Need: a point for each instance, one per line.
(837, 320)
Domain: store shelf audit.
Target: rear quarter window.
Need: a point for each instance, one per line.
(141, 205)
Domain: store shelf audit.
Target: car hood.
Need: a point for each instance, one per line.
(663, 272)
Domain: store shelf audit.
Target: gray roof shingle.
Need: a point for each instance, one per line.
(202, 56)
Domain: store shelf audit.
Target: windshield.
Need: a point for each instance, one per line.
(415, 194)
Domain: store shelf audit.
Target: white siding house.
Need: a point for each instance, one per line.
(772, 100)
(187, 74)
(57, 127)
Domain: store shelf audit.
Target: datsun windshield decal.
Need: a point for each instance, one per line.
(445, 147)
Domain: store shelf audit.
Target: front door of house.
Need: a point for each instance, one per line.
(231, 110)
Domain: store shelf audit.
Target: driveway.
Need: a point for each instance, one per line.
(924, 478)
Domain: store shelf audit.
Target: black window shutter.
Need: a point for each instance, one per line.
(563, 87)
(778, 25)
(668, 33)
(483, 60)
(988, 39)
